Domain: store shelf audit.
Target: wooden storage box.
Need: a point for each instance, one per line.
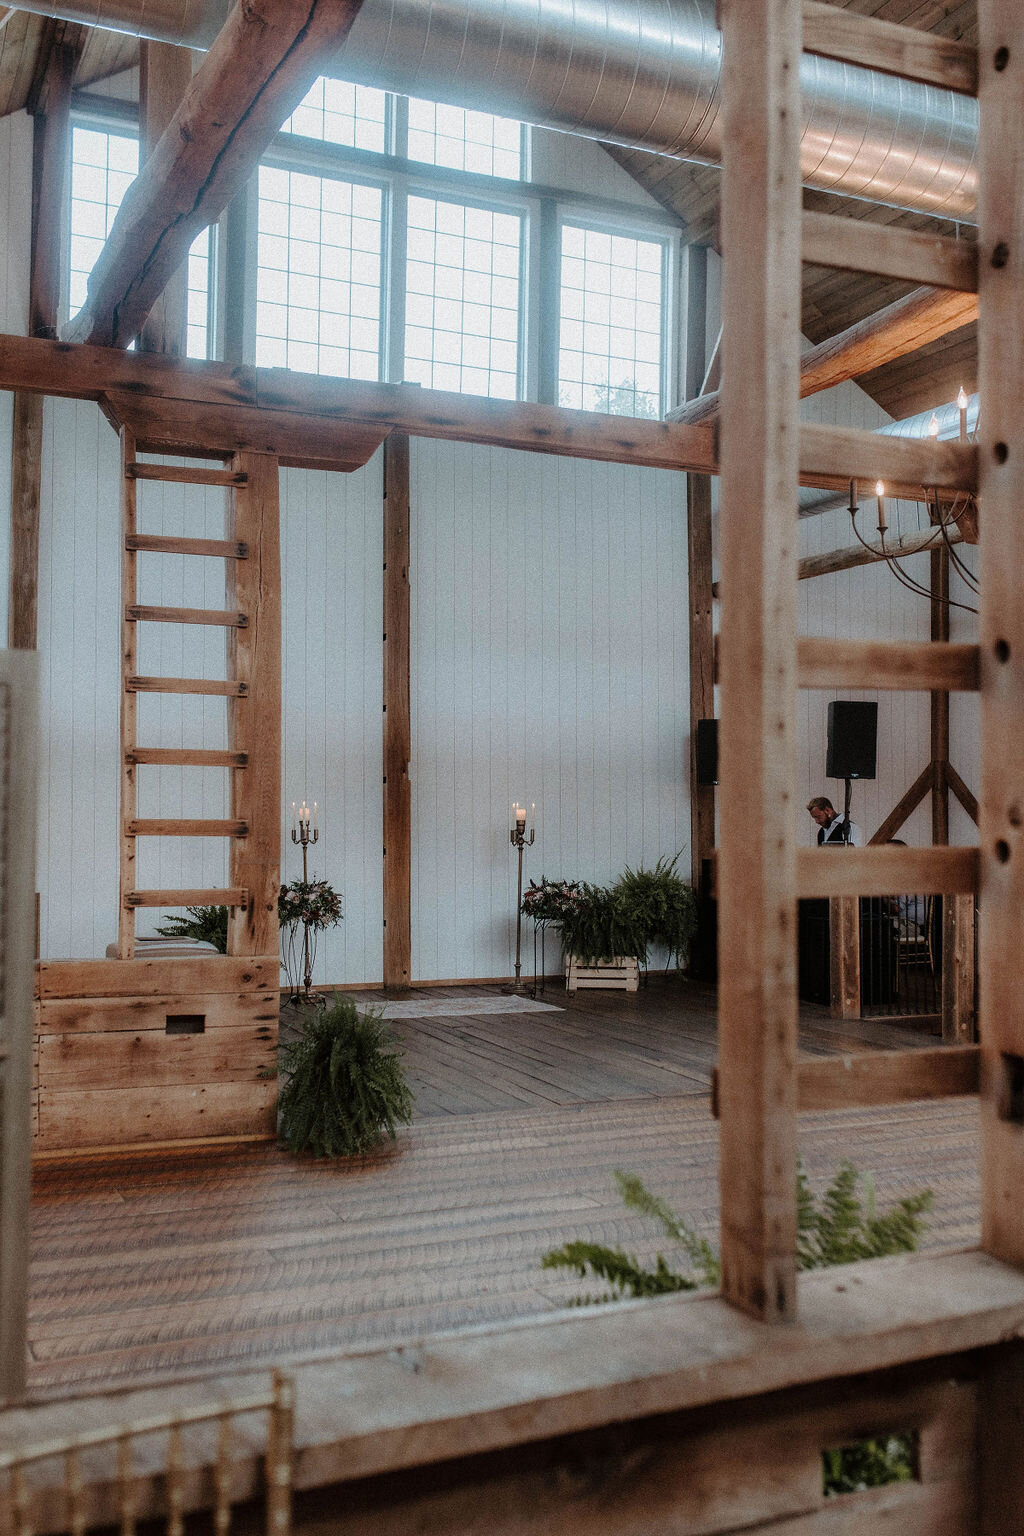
(621, 974)
(162, 1050)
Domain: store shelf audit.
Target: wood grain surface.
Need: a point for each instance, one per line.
(163, 1265)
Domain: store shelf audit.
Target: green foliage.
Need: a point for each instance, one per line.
(869, 1464)
(845, 1228)
(346, 1090)
(209, 923)
(596, 929)
(643, 907)
(659, 905)
(841, 1229)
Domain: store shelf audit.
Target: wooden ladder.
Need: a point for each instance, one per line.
(253, 691)
(765, 451)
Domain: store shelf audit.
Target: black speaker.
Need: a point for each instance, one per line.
(852, 740)
(707, 751)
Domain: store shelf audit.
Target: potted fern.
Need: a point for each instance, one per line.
(345, 1089)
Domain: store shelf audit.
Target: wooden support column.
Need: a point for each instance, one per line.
(702, 667)
(50, 103)
(165, 73)
(757, 760)
(699, 583)
(1001, 480)
(397, 719)
(844, 956)
(254, 588)
(939, 560)
(959, 1025)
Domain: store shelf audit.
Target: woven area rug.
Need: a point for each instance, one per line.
(461, 1007)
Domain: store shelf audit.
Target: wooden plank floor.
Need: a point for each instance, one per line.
(164, 1265)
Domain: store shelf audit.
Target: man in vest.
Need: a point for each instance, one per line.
(831, 826)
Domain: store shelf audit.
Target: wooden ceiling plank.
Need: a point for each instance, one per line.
(257, 71)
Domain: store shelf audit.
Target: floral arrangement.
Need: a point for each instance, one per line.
(552, 900)
(305, 908)
(312, 902)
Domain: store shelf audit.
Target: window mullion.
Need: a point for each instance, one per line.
(398, 247)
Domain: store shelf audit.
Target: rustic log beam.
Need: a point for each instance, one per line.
(50, 103)
(261, 64)
(899, 329)
(852, 555)
(165, 72)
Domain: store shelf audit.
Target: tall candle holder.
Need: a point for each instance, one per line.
(303, 837)
(520, 841)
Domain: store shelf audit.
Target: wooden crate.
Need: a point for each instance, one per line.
(174, 1063)
(621, 974)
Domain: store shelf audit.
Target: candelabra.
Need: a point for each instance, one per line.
(303, 837)
(520, 841)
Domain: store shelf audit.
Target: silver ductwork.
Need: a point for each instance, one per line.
(640, 73)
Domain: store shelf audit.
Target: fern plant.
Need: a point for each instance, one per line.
(597, 929)
(207, 923)
(659, 906)
(345, 1089)
(842, 1229)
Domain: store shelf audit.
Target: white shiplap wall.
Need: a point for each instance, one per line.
(539, 675)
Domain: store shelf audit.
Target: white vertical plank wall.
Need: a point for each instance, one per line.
(538, 675)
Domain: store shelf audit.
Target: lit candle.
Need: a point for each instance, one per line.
(933, 426)
(883, 526)
(520, 811)
(533, 813)
(295, 820)
(961, 401)
(315, 822)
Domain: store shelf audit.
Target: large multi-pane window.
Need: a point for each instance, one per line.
(462, 297)
(463, 140)
(318, 276)
(382, 254)
(610, 322)
(338, 113)
(104, 164)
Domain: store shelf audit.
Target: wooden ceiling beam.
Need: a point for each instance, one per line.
(260, 66)
(896, 331)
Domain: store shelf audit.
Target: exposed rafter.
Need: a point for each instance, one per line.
(895, 331)
(260, 66)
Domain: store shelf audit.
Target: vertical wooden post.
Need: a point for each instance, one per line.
(254, 588)
(1001, 481)
(51, 105)
(939, 559)
(699, 574)
(757, 764)
(397, 719)
(844, 956)
(19, 690)
(702, 666)
(958, 1021)
(164, 75)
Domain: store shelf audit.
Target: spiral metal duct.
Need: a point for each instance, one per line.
(640, 73)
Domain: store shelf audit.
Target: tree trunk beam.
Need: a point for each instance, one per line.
(260, 66)
(901, 328)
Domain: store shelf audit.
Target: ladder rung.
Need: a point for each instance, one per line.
(230, 898)
(881, 871)
(180, 476)
(163, 544)
(225, 617)
(893, 664)
(855, 245)
(156, 826)
(188, 757)
(884, 45)
(841, 454)
(186, 685)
